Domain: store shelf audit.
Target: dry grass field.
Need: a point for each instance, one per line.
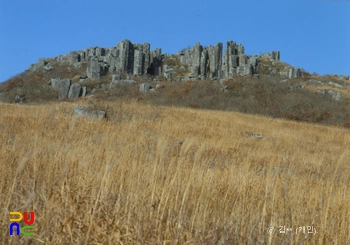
(163, 175)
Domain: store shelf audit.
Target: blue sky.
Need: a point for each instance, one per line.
(314, 35)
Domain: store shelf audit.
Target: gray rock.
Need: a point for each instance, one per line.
(256, 137)
(244, 70)
(168, 72)
(204, 65)
(41, 63)
(294, 72)
(62, 86)
(138, 60)
(147, 57)
(215, 60)
(343, 77)
(74, 57)
(74, 91)
(314, 82)
(195, 70)
(242, 60)
(156, 62)
(93, 69)
(335, 95)
(83, 91)
(80, 111)
(144, 88)
(274, 55)
(63, 59)
(19, 99)
(337, 85)
(284, 73)
(125, 57)
(77, 65)
(47, 67)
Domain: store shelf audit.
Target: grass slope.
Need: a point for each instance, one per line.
(126, 181)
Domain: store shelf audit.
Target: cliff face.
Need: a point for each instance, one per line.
(137, 59)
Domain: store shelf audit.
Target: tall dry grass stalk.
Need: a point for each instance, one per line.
(155, 175)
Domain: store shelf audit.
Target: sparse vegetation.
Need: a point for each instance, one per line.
(162, 175)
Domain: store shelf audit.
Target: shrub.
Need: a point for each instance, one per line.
(14, 83)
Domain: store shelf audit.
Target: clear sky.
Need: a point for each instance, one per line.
(311, 34)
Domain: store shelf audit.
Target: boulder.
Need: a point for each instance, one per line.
(62, 86)
(337, 85)
(314, 82)
(74, 91)
(80, 111)
(334, 94)
(19, 99)
(144, 88)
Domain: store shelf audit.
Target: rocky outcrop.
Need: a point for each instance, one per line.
(337, 85)
(40, 65)
(294, 72)
(138, 59)
(65, 89)
(333, 94)
(274, 55)
(93, 68)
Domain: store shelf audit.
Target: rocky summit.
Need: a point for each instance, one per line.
(198, 62)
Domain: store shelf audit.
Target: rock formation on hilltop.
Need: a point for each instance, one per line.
(137, 59)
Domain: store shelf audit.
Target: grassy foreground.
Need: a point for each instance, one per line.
(157, 175)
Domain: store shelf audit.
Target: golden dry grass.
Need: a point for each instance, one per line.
(127, 181)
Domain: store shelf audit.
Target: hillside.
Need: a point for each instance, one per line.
(165, 175)
(196, 77)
